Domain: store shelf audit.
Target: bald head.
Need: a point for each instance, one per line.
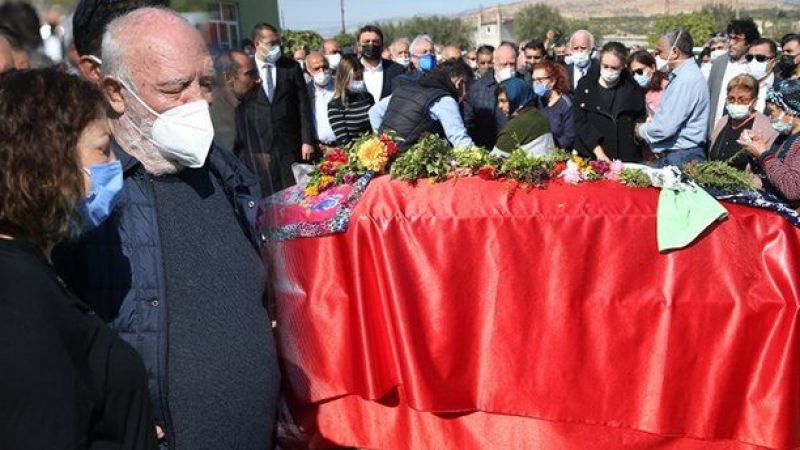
(451, 52)
(504, 56)
(6, 56)
(331, 46)
(162, 38)
(316, 62)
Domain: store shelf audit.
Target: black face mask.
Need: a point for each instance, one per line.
(371, 51)
(786, 64)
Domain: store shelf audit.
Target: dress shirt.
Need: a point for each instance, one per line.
(763, 88)
(682, 118)
(322, 96)
(373, 78)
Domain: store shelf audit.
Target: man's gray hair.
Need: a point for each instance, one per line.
(397, 41)
(419, 40)
(717, 40)
(681, 40)
(582, 33)
(117, 35)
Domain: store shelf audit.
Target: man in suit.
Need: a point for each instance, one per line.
(742, 33)
(580, 62)
(273, 126)
(378, 72)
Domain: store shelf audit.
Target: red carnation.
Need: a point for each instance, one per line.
(560, 166)
(337, 156)
(487, 172)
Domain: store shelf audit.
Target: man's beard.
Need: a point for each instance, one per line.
(133, 132)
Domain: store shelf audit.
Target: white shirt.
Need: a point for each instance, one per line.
(262, 72)
(578, 73)
(733, 69)
(373, 78)
(764, 87)
(320, 110)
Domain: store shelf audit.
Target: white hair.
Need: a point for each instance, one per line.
(417, 41)
(580, 33)
(118, 34)
(397, 41)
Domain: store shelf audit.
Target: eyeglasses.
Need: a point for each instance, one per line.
(759, 58)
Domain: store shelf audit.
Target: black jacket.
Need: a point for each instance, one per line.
(613, 129)
(593, 69)
(278, 127)
(482, 117)
(391, 70)
(407, 114)
(66, 379)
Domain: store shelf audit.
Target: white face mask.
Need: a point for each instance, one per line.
(504, 74)
(358, 86)
(757, 69)
(663, 64)
(580, 59)
(738, 112)
(611, 77)
(322, 79)
(717, 53)
(273, 54)
(182, 134)
(333, 60)
(403, 61)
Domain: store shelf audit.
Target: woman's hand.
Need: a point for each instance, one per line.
(753, 143)
(600, 154)
(159, 433)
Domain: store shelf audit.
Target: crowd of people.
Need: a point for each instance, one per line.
(134, 308)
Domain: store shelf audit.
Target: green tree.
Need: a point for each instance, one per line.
(443, 30)
(345, 39)
(532, 22)
(722, 14)
(699, 25)
(294, 39)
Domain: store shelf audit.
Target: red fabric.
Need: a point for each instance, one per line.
(550, 304)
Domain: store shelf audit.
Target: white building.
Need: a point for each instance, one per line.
(491, 28)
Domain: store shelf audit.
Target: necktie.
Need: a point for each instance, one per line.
(269, 83)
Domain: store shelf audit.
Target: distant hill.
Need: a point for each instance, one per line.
(587, 9)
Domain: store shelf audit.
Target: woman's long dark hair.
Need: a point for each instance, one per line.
(657, 80)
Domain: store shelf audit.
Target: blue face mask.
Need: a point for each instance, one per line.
(541, 90)
(106, 184)
(643, 79)
(427, 62)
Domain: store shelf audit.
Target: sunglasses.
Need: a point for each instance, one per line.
(759, 58)
(639, 71)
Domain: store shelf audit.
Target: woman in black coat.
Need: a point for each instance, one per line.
(607, 106)
(66, 379)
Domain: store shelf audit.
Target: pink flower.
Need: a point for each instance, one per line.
(572, 174)
(615, 170)
(349, 177)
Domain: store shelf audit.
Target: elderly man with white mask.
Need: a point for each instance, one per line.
(176, 268)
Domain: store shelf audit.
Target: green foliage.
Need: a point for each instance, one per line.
(721, 15)
(345, 39)
(532, 170)
(428, 158)
(472, 158)
(443, 30)
(719, 175)
(532, 22)
(293, 40)
(634, 178)
(700, 25)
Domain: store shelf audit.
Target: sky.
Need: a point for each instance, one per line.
(321, 15)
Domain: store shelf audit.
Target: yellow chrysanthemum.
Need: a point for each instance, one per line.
(372, 155)
(311, 191)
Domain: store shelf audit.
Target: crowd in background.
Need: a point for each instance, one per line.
(133, 161)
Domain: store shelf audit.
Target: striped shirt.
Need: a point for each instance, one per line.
(350, 121)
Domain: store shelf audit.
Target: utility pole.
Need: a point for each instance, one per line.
(341, 7)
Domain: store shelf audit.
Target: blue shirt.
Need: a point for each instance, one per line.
(681, 121)
(444, 110)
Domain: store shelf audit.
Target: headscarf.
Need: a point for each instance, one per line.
(518, 92)
(787, 96)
